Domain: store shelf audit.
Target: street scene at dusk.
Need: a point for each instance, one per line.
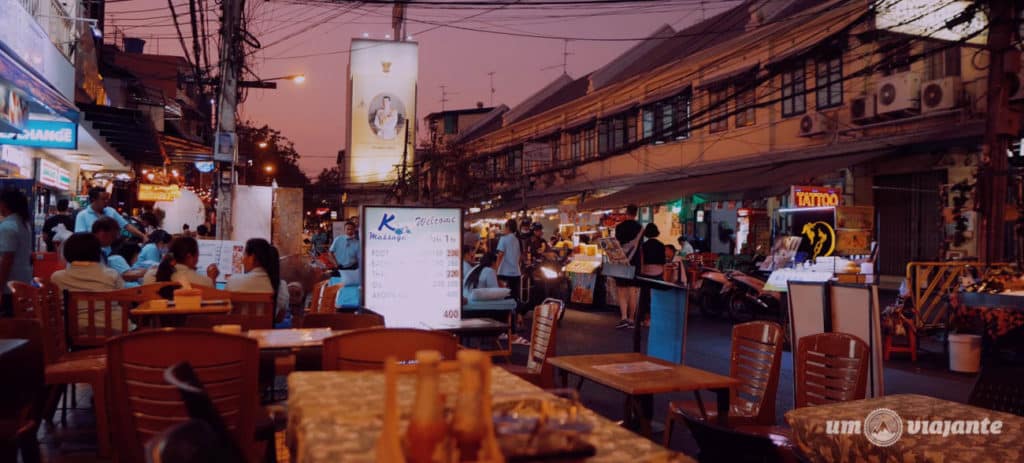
(439, 231)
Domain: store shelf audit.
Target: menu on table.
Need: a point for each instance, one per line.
(227, 255)
(412, 268)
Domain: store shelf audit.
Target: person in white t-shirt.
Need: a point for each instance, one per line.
(263, 275)
(179, 265)
(84, 271)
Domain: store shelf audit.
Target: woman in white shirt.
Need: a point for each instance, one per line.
(482, 276)
(179, 265)
(263, 275)
(85, 272)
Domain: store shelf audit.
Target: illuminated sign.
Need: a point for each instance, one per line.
(815, 196)
(382, 109)
(151, 192)
(204, 166)
(822, 238)
(44, 134)
(51, 174)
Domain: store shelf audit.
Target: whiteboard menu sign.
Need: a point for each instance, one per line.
(412, 270)
(226, 254)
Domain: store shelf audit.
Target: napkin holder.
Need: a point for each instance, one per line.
(389, 445)
(188, 298)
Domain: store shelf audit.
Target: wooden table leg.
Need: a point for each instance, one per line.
(639, 412)
(722, 396)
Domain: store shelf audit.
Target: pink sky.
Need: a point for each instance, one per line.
(313, 115)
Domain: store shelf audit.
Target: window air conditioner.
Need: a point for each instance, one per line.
(899, 93)
(813, 124)
(940, 94)
(863, 109)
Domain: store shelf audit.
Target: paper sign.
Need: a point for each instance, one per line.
(412, 264)
(227, 255)
(630, 367)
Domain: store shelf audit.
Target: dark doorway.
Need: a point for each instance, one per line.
(909, 219)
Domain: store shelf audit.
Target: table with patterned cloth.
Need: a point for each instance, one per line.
(813, 439)
(335, 416)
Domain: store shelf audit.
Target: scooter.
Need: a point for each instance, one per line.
(714, 286)
(748, 300)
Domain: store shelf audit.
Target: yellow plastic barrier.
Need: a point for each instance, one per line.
(930, 282)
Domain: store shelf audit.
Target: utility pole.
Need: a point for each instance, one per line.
(398, 20)
(230, 68)
(400, 193)
(491, 76)
(1001, 124)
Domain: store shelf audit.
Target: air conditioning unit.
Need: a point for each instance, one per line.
(814, 124)
(863, 109)
(899, 93)
(940, 94)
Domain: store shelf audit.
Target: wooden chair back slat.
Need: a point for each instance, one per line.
(259, 308)
(542, 340)
(227, 364)
(756, 361)
(24, 299)
(343, 321)
(314, 296)
(368, 348)
(830, 367)
(99, 316)
(50, 312)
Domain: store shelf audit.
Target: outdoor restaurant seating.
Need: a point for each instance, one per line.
(999, 388)
(23, 299)
(755, 360)
(200, 407)
(227, 363)
(322, 297)
(100, 316)
(830, 367)
(542, 345)
(64, 367)
(260, 308)
(209, 321)
(367, 349)
(342, 321)
(21, 397)
(192, 441)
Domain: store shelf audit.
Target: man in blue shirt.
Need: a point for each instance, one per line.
(98, 199)
(345, 249)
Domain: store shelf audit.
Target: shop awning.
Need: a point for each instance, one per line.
(181, 149)
(44, 97)
(769, 175)
(128, 131)
(515, 204)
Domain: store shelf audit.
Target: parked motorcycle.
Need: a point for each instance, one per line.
(747, 299)
(713, 287)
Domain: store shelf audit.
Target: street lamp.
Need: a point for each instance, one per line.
(262, 144)
(269, 82)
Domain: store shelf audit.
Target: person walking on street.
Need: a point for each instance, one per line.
(627, 293)
(510, 253)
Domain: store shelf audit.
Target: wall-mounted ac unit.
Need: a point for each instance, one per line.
(940, 94)
(899, 93)
(814, 124)
(863, 109)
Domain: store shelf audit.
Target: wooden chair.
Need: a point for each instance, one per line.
(24, 298)
(227, 363)
(830, 367)
(367, 349)
(323, 296)
(721, 444)
(21, 392)
(343, 321)
(104, 315)
(999, 388)
(64, 367)
(542, 345)
(259, 308)
(756, 359)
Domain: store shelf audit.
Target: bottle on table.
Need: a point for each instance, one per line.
(427, 427)
(468, 426)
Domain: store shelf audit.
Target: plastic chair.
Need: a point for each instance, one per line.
(756, 360)
(24, 299)
(542, 345)
(367, 349)
(21, 397)
(830, 367)
(228, 363)
(999, 388)
(343, 321)
(69, 368)
(720, 444)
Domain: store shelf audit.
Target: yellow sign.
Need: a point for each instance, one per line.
(151, 192)
(815, 196)
(822, 238)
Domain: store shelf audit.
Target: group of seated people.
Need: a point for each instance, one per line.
(96, 262)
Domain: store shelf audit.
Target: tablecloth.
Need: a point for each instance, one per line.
(813, 439)
(336, 417)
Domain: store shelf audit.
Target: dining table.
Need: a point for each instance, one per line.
(156, 313)
(336, 416)
(641, 376)
(838, 432)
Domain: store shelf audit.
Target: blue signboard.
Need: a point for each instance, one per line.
(44, 134)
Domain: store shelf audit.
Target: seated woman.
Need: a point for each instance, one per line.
(153, 252)
(84, 271)
(263, 275)
(481, 276)
(179, 265)
(123, 260)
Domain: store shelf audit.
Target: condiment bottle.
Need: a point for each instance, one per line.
(468, 423)
(427, 427)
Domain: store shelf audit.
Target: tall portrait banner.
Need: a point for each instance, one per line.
(382, 107)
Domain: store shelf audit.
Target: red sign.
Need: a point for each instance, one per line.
(322, 210)
(815, 196)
